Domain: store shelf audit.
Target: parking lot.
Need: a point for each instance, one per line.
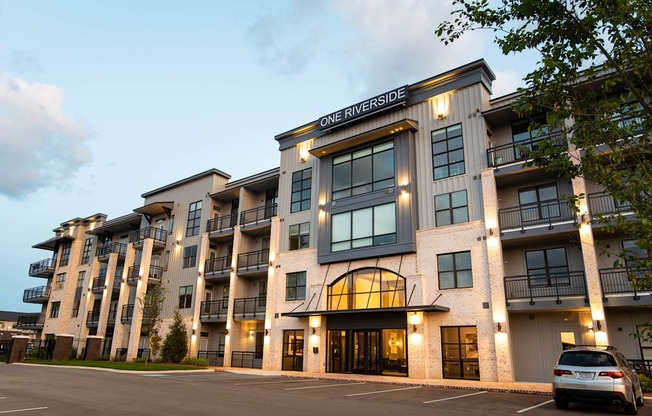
(39, 390)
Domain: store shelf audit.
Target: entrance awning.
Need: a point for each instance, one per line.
(405, 309)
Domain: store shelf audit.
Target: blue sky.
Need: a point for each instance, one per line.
(94, 95)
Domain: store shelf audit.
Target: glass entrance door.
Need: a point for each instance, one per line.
(366, 354)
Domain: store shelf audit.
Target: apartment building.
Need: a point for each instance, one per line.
(400, 236)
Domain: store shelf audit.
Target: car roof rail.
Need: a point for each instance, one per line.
(606, 347)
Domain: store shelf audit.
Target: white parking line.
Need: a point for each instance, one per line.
(454, 397)
(382, 391)
(273, 382)
(534, 407)
(321, 387)
(23, 410)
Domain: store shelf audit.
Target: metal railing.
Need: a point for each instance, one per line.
(92, 319)
(158, 234)
(245, 359)
(222, 223)
(622, 280)
(214, 358)
(520, 151)
(98, 284)
(256, 215)
(44, 266)
(111, 318)
(601, 203)
(550, 285)
(214, 309)
(36, 293)
(249, 307)
(218, 265)
(111, 247)
(30, 321)
(542, 213)
(133, 273)
(253, 259)
(127, 313)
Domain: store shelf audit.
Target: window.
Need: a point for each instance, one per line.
(367, 288)
(61, 278)
(301, 189)
(54, 310)
(459, 346)
(373, 226)
(547, 267)
(65, 254)
(634, 255)
(295, 286)
(539, 203)
(194, 219)
(75, 309)
(171, 223)
(455, 270)
(80, 278)
(293, 350)
(363, 171)
(225, 296)
(262, 292)
(525, 137)
(299, 236)
(185, 297)
(447, 152)
(451, 208)
(86, 252)
(189, 256)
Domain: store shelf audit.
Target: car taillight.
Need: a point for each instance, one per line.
(612, 374)
(562, 372)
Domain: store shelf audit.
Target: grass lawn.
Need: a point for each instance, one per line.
(121, 365)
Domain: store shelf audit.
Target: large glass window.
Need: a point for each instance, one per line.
(301, 189)
(447, 152)
(295, 286)
(526, 138)
(189, 256)
(185, 297)
(451, 208)
(539, 203)
(194, 219)
(65, 254)
(293, 350)
(455, 270)
(54, 310)
(373, 226)
(299, 236)
(86, 252)
(363, 171)
(547, 267)
(459, 346)
(367, 289)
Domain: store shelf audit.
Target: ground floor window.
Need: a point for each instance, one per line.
(459, 345)
(293, 350)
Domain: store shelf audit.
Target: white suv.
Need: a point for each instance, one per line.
(596, 374)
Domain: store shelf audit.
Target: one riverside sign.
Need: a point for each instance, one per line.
(364, 108)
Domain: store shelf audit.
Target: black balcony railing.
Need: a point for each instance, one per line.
(623, 280)
(111, 247)
(214, 309)
(92, 319)
(111, 317)
(158, 234)
(551, 285)
(253, 259)
(601, 203)
(218, 265)
(36, 294)
(245, 359)
(41, 268)
(543, 213)
(249, 307)
(520, 151)
(127, 313)
(256, 215)
(215, 358)
(98, 284)
(133, 273)
(30, 321)
(222, 223)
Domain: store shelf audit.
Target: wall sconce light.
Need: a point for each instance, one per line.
(271, 263)
(194, 332)
(322, 208)
(251, 333)
(589, 328)
(226, 332)
(585, 219)
(404, 189)
(598, 324)
(105, 287)
(415, 319)
(500, 327)
(266, 332)
(178, 242)
(491, 232)
(314, 330)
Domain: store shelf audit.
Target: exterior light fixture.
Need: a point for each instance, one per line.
(314, 330)
(251, 333)
(500, 327)
(589, 328)
(322, 208)
(266, 332)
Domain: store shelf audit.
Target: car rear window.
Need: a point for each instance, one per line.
(587, 359)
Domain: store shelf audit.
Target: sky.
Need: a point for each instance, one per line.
(95, 96)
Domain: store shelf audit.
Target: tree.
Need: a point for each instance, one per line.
(175, 346)
(594, 70)
(152, 303)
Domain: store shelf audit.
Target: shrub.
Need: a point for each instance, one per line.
(175, 346)
(199, 362)
(646, 383)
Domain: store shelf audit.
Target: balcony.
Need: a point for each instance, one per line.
(537, 218)
(214, 311)
(43, 268)
(257, 221)
(99, 284)
(254, 263)
(154, 276)
(127, 313)
(217, 268)
(103, 252)
(546, 291)
(601, 203)
(221, 228)
(39, 294)
(159, 236)
(620, 287)
(249, 309)
(520, 152)
(31, 321)
(92, 319)
(111, 318)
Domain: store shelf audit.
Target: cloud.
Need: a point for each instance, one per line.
(506, 82)
(40, 146)
(25, 62)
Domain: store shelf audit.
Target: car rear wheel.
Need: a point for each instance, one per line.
(631, 408)
(640, 401)
(561, 404)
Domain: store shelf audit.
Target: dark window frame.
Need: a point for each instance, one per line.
(451, 209)
(189, 257)
(362, 187)
(445, 147)
(300, 199)
(351, 297)
(455, 270)
(185, 297)
(548, 277)
(86, 251)
(299, 236)
(54, 309)
(64, 259)
(376, 239)
(194, 218)
(293, 291)
(460, 356)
